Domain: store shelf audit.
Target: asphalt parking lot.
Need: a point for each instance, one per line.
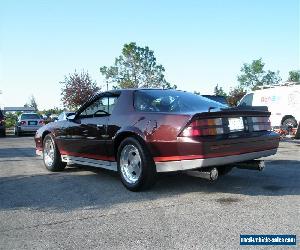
(89, 208)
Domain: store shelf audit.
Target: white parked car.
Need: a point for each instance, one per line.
(282, 101)
(28, 123)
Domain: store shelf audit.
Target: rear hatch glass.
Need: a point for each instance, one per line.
(173, 101)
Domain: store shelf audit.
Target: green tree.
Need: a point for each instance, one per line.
(10, 120)
(32, 103)
(52, 111)
(235, 95)
(253, 75)
(77, 89)
(294, 76)
(136, 67)
(219, 91)
(168, 85)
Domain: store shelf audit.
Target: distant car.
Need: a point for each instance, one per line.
(63, 116)
(28, 123)
(217, 98)
(2, 124)
(139, 132)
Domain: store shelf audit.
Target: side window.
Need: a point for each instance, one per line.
(112, 103)
(247, 100)
(101, 107)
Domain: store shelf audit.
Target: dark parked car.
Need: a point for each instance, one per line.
(2, 124)
(140, 133)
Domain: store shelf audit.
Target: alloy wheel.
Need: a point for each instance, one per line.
(49, 153)
(130, 164)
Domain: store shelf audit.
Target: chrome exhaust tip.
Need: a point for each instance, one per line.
(213, 174)
(251, 165)
(210, 174)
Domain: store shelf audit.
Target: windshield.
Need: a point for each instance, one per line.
(172, 101)
(29, 116)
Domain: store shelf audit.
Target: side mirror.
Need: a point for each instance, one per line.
(70, 117)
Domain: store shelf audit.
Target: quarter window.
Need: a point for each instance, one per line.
(247, 100)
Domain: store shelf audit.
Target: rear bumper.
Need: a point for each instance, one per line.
(28, 128)
(170, 166)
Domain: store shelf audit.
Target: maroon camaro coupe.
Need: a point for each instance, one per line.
(141, 132)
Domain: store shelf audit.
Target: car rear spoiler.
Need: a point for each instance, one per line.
(235, 112)
(252, 108)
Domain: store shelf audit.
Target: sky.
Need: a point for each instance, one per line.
(200, 43)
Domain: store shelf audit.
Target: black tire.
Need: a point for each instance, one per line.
(289, 122)
(56, 164)
(2, 133)
(147, 175)
(17, 132)
(224, 170)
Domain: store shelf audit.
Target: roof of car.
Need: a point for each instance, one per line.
(117, 91)
(135, 89)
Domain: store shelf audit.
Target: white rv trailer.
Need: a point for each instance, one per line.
(283, 101)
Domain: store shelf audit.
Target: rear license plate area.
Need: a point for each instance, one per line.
(32, 123)
(236, 124)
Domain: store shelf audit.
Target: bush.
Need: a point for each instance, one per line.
(10, 120)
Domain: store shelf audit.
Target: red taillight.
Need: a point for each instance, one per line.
(41, 122)
(191, 131)
(204, 127)
(23, 122)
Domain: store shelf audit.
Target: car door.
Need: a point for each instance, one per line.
(87, 135)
